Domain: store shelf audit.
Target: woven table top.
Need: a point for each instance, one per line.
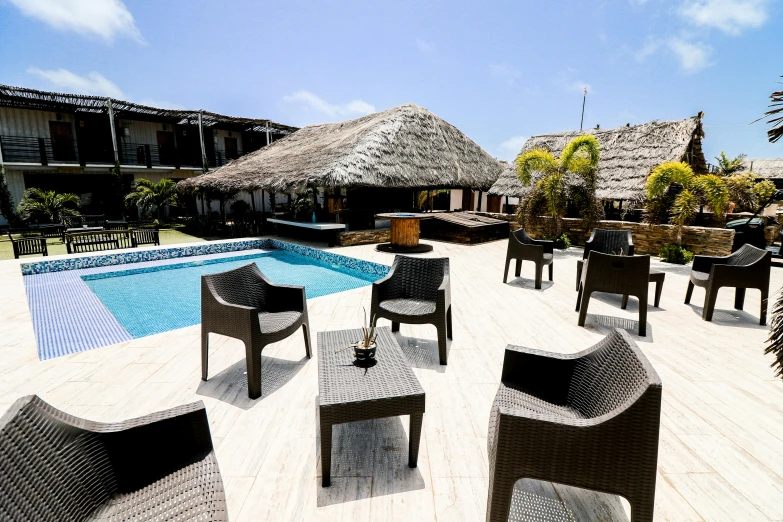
(340, 381)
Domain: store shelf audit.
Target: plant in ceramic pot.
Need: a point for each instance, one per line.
(364, 349)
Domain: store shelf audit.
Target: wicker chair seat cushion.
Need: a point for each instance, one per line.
(700, 278)
(193, 493)
(272, 322)
(404, 306)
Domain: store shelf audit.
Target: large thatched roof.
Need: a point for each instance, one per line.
(765, 167)
(406, 146)
(628, 154)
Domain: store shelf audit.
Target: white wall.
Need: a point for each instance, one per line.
(29, 123)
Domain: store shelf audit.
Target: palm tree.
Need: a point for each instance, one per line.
(49, 205)
(570, 178)
(728, 166)
(776, 116)
(695, 191)
(147, 194)
(427, 198)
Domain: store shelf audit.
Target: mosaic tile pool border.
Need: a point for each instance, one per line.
(138, 256)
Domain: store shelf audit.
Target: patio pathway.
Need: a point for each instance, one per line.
(721, 452)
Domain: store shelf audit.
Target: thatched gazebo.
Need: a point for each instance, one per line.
(628, 155)
(765, 167)
(406, 147)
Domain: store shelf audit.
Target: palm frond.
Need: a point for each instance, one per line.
(537, 160)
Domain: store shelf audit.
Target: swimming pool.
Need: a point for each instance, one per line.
(79, 303)
(157, 299)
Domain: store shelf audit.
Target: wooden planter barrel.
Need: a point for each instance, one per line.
(404, 233)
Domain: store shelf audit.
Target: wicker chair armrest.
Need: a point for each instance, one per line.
(444, 290)
(705, 263)
(543, 374)
(383, 287)
(146, 449)
(287, 297)
(549, 246)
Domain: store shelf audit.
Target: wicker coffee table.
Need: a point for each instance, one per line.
(351, 392)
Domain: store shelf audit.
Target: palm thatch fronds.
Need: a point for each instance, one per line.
(406, 146)
(764, 167)
(775, 340)
(776, 116)
(628, 155)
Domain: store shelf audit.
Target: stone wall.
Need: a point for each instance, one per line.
(363, 237)
(646, 239)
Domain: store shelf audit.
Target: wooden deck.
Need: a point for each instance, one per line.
(721, 453)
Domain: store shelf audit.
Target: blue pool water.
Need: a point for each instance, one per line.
(152, 300)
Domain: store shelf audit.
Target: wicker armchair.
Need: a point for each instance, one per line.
(748, 267)
(524, 248)
(416, 291)
(244, 304)
(624, 275)
(616, 242)
(54, 466)
(589, 420)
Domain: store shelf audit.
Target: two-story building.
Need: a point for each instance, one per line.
(69, 143)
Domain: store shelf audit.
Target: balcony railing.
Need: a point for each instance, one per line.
(45, 151)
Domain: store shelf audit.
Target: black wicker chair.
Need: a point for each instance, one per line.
(244, 304)
(416, 291)
(524, 248)
(615, 242)
(54, 466)
(748, 267)
(624, 275)
(589, 420)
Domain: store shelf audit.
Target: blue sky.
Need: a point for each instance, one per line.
(500, 71)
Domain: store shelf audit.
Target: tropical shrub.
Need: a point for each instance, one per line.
(7, 209)
(672, 253)
(748, 191)
(561, 242)
(302, 205)
(149, 195)
(48, 205)
(729, 166)
(571, 177)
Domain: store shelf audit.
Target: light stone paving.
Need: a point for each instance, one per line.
(721, 450)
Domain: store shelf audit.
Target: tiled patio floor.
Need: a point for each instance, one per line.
(721, 453)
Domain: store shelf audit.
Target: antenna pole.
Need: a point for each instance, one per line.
(584, 99)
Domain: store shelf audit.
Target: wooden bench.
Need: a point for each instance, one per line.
(332, 229)
(145, 236)
(29, 246)
(77, 242)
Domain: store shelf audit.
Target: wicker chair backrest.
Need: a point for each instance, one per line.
(746, 255)
(242, 286)
(522, 236)
(417, 277)
(617, 274)
(51, 469)
(606, 378)
(616, 242)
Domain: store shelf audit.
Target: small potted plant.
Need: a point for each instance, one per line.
(364, 349)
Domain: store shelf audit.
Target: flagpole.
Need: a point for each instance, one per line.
(584, 99)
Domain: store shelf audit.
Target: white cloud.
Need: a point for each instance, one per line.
(649, 48)
(510, 148)
(730, 16)
(579, 86)
(425, 46)
(94, 83)
(316, 103)
(505, 72)
(160, 104)
(694, 56)
(103, 18)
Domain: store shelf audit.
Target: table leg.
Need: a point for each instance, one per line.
(415, 438)
(326, 454)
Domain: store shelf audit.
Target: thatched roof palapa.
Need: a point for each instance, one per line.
(628, 155)
(764, 167)
(406, 146)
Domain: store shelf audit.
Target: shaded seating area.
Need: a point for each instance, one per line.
(416, 291)
(748, 267)
(589, 419)
(242, 303)
(55, 466)
(624, 275)
(616, 242)
(524, 248)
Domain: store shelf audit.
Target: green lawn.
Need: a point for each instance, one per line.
(56, 247)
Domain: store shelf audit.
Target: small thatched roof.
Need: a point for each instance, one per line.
(764, 167)
(628, 154)
(406, 146)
